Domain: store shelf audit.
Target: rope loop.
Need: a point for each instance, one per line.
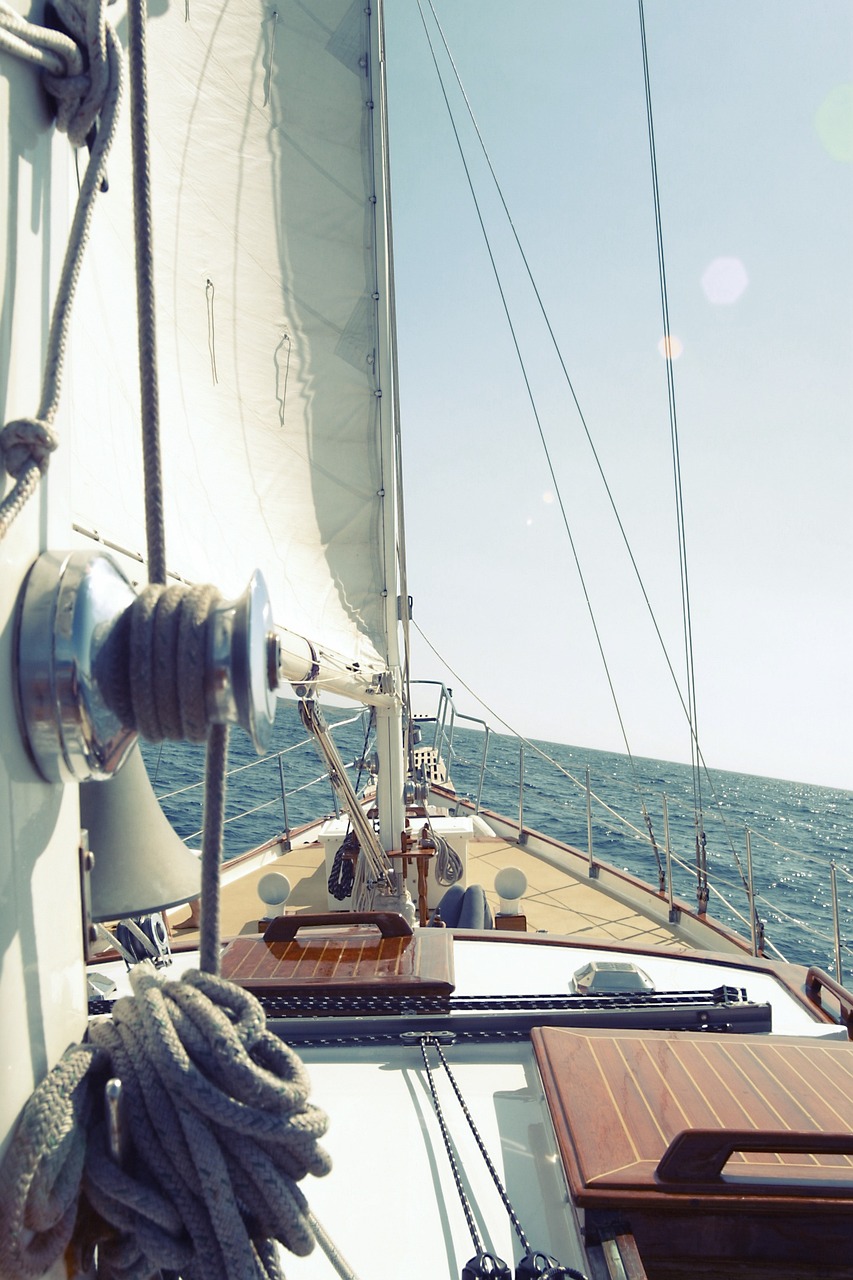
(25, 441)
(86, 82)
(42, 47)
(80, 92)
(342, 875)
(448, 864)
(218, 1124)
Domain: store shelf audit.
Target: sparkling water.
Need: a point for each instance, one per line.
(797, 830)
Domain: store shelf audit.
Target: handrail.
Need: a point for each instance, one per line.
(389, 924)
(816, 981)
(445, 702)
(696, 1158)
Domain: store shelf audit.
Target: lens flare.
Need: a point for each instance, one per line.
(670, 346)
(834, 123)
(724, 281)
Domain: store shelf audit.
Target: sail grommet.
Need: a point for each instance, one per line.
(97, 663)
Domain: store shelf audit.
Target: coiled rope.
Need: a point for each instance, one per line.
(41, 1173)
(342, 875)
(220, 1130)
(87, 92)
(152, 668)
(448, 864)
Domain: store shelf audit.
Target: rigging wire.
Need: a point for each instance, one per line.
(701, 853)
(558, 352)
(532, 400)
(688, 706)
(534, 1262)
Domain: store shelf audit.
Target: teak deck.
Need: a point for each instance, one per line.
(710, 1147)
(350, 960)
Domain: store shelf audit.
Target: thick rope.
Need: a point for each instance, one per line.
(145, 308)
(40, 1176)
(82, 98)
(152, 668)
(342, 875)
(220, 1127)
(220, 1131)
(211, 850)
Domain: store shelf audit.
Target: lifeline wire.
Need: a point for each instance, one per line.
(701, 857)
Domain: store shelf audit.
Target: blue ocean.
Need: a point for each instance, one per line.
(799, 832)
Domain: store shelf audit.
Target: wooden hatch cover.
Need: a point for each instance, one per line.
(649, 1119)
(351, 955)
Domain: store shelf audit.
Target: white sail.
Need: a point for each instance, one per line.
(268, 217)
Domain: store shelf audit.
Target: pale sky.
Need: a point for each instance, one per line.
(753, 111)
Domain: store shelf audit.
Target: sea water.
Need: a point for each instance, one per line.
(798, 831)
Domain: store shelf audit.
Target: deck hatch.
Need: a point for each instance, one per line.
(639, 1117)
(340, 970)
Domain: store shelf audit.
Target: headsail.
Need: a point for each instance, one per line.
(274, 369)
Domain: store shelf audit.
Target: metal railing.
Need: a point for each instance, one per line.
(266, 778)
(571, 806)
(760, 906)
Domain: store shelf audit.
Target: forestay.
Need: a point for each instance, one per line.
(268, 214)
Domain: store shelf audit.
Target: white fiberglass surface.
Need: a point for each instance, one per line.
(390, 1203)
(517, 969)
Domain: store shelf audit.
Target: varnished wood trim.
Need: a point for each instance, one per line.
(816, 981)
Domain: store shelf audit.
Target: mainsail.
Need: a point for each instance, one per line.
(272, 298)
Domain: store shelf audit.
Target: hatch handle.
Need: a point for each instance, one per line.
(389, 923)
(700, 1155)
